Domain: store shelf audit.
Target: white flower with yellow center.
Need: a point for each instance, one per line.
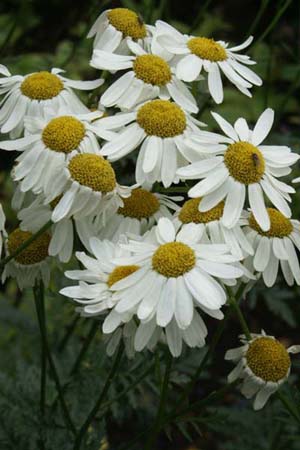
(32, 94)
(139, 213)
(87, 186)
(177, 275)
(263, 364)
(47, 144)
(240, 165)
(114, 27)
(94, 292)
(198, 52)
(37, 214)
(277, 245)
(211, 226)
(32, 263)
(150, 77)
(160, 126)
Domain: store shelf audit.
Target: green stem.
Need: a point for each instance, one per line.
(233, 302)
(262, 8)
(39, 299)
(272, 24)
(160, 412)
(25, 244)
(69, 332)
(93, 330)
(288, 406)
(125, 391)
(101, 398)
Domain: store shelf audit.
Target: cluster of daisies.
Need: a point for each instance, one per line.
(151, 265)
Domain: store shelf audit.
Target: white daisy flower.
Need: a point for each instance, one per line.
(197, 53)
(47, 143)
(94, 293)
(277, 245)
(211, 226)
(86, 186)
(37, 214)
(160, 126)
(240, 165)
(176, 276)
(263, 364)
(31, 264)
(139, 213)
(150, 77)
(113, 28)
(2, 226)
(31, 94)
(126, 334)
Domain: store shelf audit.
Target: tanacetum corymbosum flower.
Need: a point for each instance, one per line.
(263, 364)
(32, 94)
(239, 167)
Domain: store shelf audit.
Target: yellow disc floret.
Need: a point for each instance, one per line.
(152, 70)
(173, 259)
(281, 226)
(245, 162)
(119, 273)
(190, 213)
(128, 22)
(93, 171)
(141, 204)
(161, 118)
(63, 134)
(268, 359)
(36, 252)
(41, 86)
(207, 48)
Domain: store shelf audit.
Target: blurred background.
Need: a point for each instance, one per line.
(37, 35)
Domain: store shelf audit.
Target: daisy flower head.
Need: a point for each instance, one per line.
(276, 246)
(210, 224)
(115, 27)
(32, 93)
(86, 186)
(32, 264)
(177, 275)
(139, 213)
(47, 144)
(240, 166)
(150, 76)
(263, 363)
(215, 57)
(94, 291)
(160, 126)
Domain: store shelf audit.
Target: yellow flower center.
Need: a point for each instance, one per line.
(36, 252)
(207, 48)
(280, 225)
(152, 70)
(63, 134)
(173, 259)
(141, 204)
(245, 162)
(161, 118)
(128, 22)
(93, 171)
(119, 273)
(41, 86)
(268, 359)
(190, 213)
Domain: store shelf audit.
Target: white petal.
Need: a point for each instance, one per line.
(263, 126)
(225, 126)
(258, 206)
